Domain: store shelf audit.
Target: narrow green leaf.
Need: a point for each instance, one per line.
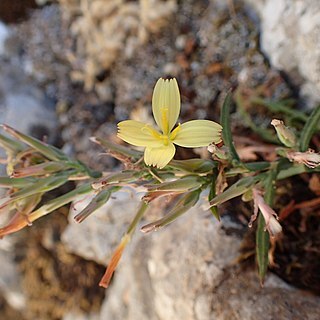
(11, 145)
(41, 186)
(257, 166)
(20, 222)
(309, 129)
(26, 205)
(262, 248)
(262, 237)
(184, 184)
(48, 151)
(212, 194)
(226, 124)
(97, 202)
(82, 168)
(118, 177)
(7, 182)
(116, 148)
(235, 190)
(193, 165)
(285, 107)
(186, 202)
(266, 134)
(64, 199)
(41, 169)
(295, 170)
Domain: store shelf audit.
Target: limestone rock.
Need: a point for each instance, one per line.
(23, 105)
(76, 315)
(10, 280)
(188, 271)
(4, 34)
(97, 236)
(185, 271)
(290, 33)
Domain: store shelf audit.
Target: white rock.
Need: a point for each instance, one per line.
(4, 34)
(188, 271)
(31, 108)
(10, 279)
(96, 237)
(290, 37)
(24, 107)
(77, 315)
(170, 274)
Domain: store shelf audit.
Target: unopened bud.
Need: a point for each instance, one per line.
(309, 158)
(285, 134)
(220, 153)
(247, 196)
(40, 169)
(270, 217)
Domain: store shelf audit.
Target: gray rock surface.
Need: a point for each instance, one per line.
(23, 104)
(187, 270)
(24, 107)
(96, 237)
(290, 37)
(10, 280)
(77, 315)
(4, 34)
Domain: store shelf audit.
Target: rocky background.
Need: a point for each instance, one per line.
(72, 69)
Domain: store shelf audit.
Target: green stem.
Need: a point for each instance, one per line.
(262, 237)
(264, 133)
(142, 209)
(226, 124)
(309, 129)
(280, 107)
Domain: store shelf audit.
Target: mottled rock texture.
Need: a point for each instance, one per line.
(187, 270)
(290, 37)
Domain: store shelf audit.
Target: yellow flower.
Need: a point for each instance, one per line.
(159, 145)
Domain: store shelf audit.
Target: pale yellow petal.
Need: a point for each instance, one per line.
(198, 133)
(138, 134)
(159, 157)
(166, 104)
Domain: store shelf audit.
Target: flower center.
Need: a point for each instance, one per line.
(174, 133)
(148, 129)
(165, 119)
(164, 138)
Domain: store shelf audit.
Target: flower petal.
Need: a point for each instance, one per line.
(198, 133)
(138, 134)
(273, 227)
(159, 157)
(166, 104)
(269, 215)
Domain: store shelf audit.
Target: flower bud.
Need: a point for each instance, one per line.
(270, 217)
(40, 169)
(285, 134)
(220, 153)
(309, 158)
